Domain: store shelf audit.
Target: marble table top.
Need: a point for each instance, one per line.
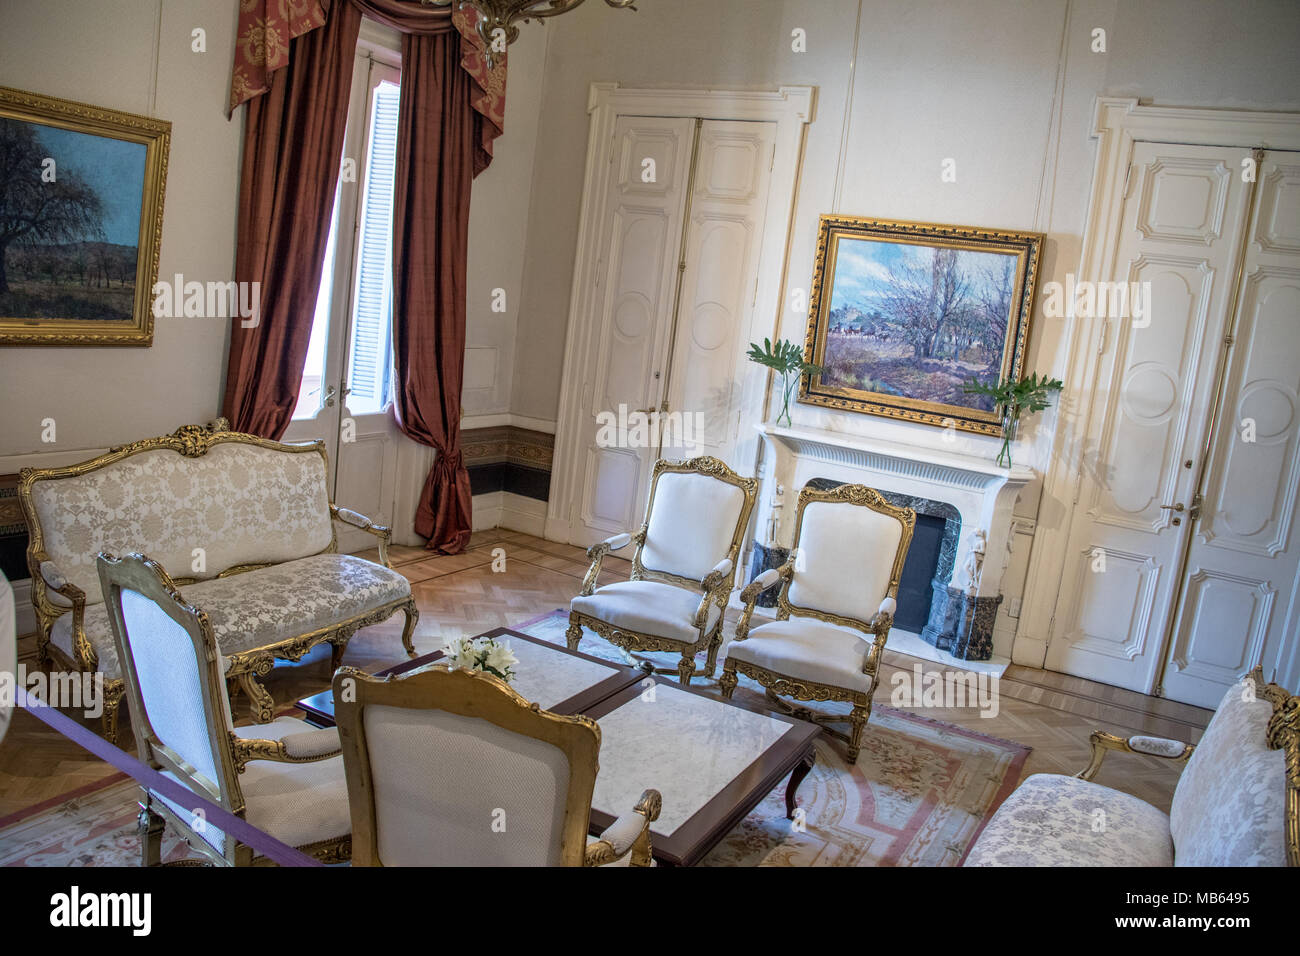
(685, 746)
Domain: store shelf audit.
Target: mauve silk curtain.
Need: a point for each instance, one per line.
(451, 110)
(293, 141)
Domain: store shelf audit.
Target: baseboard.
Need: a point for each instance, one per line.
(1029, 651)
(498, 419)
(501, 509)
(519, 513)
(486, 510)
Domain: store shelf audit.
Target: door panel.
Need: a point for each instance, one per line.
(728, 208)
(637, 281)
(1147, 416)
(1243, 558)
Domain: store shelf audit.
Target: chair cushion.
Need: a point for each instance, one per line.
(846, 555)
(265, 606)
(1230, 805)
(692, 521)
(241, 503)
(297, 803)
(806, 649)
(1054, 820)
(648, 607)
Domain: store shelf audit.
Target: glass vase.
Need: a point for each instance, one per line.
(1010, 425)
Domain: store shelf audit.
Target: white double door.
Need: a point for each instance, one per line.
(1181, 568)
(682, 221)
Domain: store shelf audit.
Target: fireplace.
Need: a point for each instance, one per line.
(963, 504)
(927, 572)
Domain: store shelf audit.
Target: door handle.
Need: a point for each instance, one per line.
(329, 396)
(1177, 507)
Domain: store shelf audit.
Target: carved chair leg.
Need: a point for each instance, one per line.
(574, 634)
(149, 826)
(711, 661)
(260, 703)
(686, 669)
(858, 718)
(337, 649)
(43, 649)
(408, 630)
(113, 691)
(727, 682)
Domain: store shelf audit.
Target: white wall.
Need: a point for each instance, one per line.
(104, 53)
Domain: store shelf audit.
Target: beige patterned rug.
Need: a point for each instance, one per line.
(919, 795)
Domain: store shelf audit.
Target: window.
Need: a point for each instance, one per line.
(365, 331)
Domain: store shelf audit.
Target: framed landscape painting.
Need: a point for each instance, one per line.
(903, 314)
(81, 207)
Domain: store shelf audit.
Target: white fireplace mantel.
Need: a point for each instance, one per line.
(983, 492)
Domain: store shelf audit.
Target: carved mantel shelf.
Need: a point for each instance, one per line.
(983, 492)
(906, 461)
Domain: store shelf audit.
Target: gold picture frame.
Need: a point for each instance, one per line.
(83, 276)
(903, 313)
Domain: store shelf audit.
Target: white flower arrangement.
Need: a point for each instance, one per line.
(482, 654)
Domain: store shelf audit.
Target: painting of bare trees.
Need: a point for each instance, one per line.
(904, 315)
(78, 206)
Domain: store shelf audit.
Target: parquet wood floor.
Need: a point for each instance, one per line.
(461, 595)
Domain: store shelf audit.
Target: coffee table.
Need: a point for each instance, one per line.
(560, 680)
(713, 761)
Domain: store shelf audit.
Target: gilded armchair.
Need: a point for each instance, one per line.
(287, 781)
(453, 768)
(834, 610)
(683, 569)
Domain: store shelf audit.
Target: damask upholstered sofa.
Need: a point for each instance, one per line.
(1237, 802)
(244, 525)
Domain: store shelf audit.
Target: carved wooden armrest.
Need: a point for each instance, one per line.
(362, 523)
(1137, 744)
(596, 553)
(749, 596)
(716, 586)
(55, 580)
(629, 833)
(879, 625)
(303, 747)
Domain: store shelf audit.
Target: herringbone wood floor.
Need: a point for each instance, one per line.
(462, 595)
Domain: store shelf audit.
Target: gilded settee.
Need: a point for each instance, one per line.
(244, 525)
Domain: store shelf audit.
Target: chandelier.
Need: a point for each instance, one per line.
(497, 23)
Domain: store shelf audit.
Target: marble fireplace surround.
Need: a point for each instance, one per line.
(983, 493)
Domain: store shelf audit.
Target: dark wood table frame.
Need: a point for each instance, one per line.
(793, 754)
(319, 708)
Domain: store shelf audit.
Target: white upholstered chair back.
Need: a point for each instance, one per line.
(170, 682)
(243, 501)
(693, 521)
(175, 687)
(847, 558)
(453, 768)
(459, 791)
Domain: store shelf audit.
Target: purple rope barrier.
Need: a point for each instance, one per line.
(240, 829)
